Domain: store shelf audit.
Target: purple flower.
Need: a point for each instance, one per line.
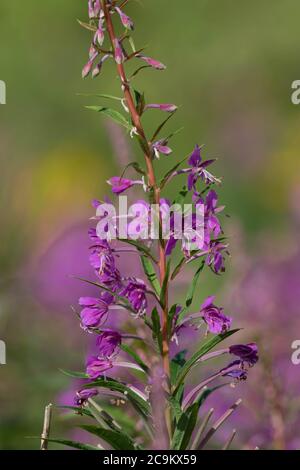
(97, 69)
(94, 312)
(168, 108)
(88, 67)
(211, 220)
(135, 292)
(119, 56)
(99, 35)
(93, 8)
(235, 370)
(246, 352)
(198, 169)
(83, 395)
(152, 62)
(96, 367)
(161, 147)
(108, 342)
(214, 317)
(119, 185)
(126, 21)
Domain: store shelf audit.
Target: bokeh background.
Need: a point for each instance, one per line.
(230, 68)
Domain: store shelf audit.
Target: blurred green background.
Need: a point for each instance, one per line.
(230, 68)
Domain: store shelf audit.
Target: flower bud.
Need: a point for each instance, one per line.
(126, 21)
(152, 62)
(119, 57)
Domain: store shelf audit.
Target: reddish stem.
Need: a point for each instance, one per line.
(136, 120)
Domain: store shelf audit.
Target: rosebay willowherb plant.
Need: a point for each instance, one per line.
(134, 388)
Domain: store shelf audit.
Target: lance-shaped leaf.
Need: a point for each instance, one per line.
(140, 102)
(112, 114)
(181, 196)
(205, 348)
(138, 400)
(87, 26)
(171, 315)
(176, 408)
(101, 95)
(135, 356)
(165, 285)
(162, 125)
(185, 427)
(79, 410)
(151, 274)
(170, 172)
(115, 439)
(73, 444)
(73, 374)
(156, 328)
(178, 268)
(136, 166)
(192, 288)
(140, 247)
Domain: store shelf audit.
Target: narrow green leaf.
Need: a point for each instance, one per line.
(140, 247)
(181, 196)
(176, 408)
(140, 101)
(170, 172)
(151, 274)
(73, 444)
(162, 125)
(136, 166)
(101, 95)
(137, 71)
(109, 97)
(79, 410)
(115, 439)
(156, 328)
(114, 115)
(178, 268)
(87, 26)
(77, 375)
(171, 315)
(185, 427)
(165, 285)
(177, 364)
(205, 348)
(192, 288)
(135, 356)
(141, 404)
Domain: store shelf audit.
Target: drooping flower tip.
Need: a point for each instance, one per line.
(216, 321)
(83, 395)
(152, 62)
(126, 21)
(96, 367)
